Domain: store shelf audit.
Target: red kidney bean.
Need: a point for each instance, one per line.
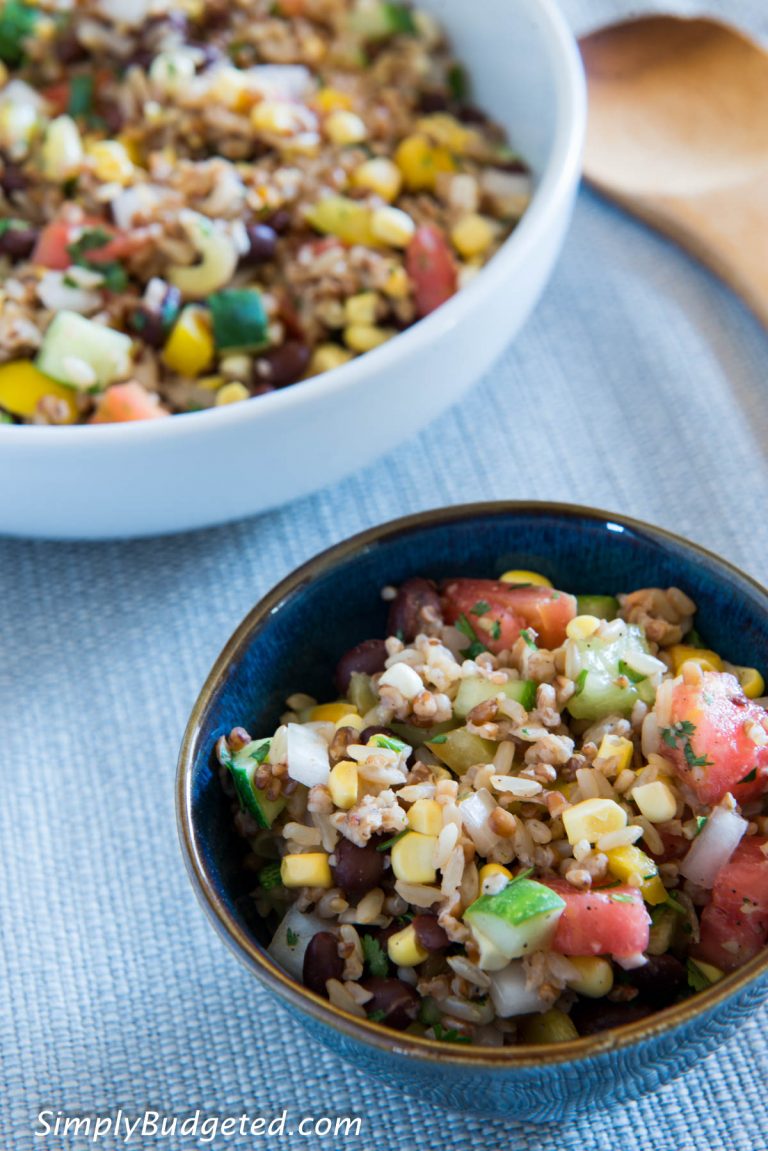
(283, 365)
(18, 242)
(660, 981)
(262, 244)
(593, 1015)
(416, 604)
(322, 962)
(262, 389)
(368, 658)
(429, 933)
(357, 869)
(397, 1000)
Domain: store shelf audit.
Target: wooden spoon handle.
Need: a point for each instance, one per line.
(726, 229)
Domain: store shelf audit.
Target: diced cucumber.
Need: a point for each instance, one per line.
(552, 1027)
(71, 338)
(360, 692)
(599, 692)
(239, 320)
(519, 920)
(475, 690)
(418, 736)
(242, 766)
(378, 20)
(461, 750)
(602, 606)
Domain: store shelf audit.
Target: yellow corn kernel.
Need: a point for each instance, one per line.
(365, 337)
(381, 176)
(18, 125)
(308, 869)
(62, 150)
(752, 683)
(210, 383)
(582, 626)
(397, 285)
(361, 309)
(392, 226)
(618, 748)
(447, 131)
(709, 971)
(189, 349)
(595, 976)
(232, 393)
(517, 575)
(345, 128)
(553, 1026)
(488, 870)
(329, 712)
(331, 100)
(633, 866)
(111, 163)
(344, 785)
(404, 948)
(413, 858)
(351, 719)
(422, 162)
(326, 357)
(342, 217)
(132, 147)
(277, 117)
(656, 801)
(22, 387)
(592, 818)
(426, 816)
(707, 660)
(472, 236)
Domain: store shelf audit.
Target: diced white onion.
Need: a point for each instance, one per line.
(643, 663)
(130, 12)
(404, 679)
(131, 202)
(302, 927)
(631, 962)
(307, 755)
(57, 296)
(713, 847)
(290, 81)
(475, 812)
(509, 994)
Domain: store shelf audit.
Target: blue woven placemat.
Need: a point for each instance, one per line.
(639, 385)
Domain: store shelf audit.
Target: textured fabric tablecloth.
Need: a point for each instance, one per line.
(639, 385)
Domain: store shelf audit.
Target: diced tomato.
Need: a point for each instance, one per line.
(123, 403)
(734, 926)
(51, 249)
(713, 753)
(431, 268)
(613, 922)
(57, 96)
(510, 610)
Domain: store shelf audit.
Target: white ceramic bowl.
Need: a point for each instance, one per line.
(208, 467)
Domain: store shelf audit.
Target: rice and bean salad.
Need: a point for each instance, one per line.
(203, 202)
(526, 817)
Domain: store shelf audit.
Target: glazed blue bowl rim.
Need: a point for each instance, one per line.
(250, 952)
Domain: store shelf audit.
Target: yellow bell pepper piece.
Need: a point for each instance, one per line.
(422, 162)
(22, 387)
(753, 684)
(189, 349)
(706, 659)
(347, 219)
(330, 712)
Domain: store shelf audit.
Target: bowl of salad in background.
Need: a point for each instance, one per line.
(606, 924)
(229, 232)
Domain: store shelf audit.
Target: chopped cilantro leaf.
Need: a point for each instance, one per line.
(632, 676)
(377, 1016)
(480, 608)
(457, 82)
(80, 95)
(438, 739)
(90, 240)
(115, 279)
(521, 875)
(375, 958)
(476, 647)
(697, 980)
(400, 19)
(261, 753)
(391, 842)
(581, 680)
(449, 1035)
(11, 225)
(380, 740)
(495, 632)
(619, 898)
(675, 904)
(291, 938)
(700, 823)
(527, 637)
(17, 23)
(269, 876)
(751, 777)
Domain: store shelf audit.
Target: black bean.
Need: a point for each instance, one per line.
(398, 1001)
(416, 604)
(593, 1015)
(434, 101)
(262, 244)
(429, 933)
(279, 221)
(469, 114)
(18, 242)
(660, 981)
(322, 962)
(513, 165)
(13, 179)
(68, 48)
(262, 389)
(152, 324)
(368, 658)
(357, 869)
(283, 365)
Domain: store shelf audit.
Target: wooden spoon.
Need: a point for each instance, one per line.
(678, 135)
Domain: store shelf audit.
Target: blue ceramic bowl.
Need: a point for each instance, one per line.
(292, 640)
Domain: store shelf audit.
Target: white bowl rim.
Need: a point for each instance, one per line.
(560, 173)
